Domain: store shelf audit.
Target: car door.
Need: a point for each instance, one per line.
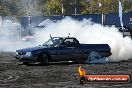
(65, 51)
(80, 53)
(71, 53)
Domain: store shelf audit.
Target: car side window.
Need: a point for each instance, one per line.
(69, 43)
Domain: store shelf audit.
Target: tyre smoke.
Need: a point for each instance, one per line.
(10, 39)
(85, 31)
(88, 32)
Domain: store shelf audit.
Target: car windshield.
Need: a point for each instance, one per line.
(54, 41)
(49, 42)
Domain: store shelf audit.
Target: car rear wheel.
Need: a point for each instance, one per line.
(95, 57)
(44, 59)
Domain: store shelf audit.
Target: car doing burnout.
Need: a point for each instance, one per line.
(63, 49)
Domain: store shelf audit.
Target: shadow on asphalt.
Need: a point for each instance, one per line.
(64, 63)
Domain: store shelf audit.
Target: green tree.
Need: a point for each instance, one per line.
(4, 11)
(86, 7)
(127, 5)
(10, 8)
(105, 6)
(52, 7)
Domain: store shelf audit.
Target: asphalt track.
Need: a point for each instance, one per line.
(14, 74)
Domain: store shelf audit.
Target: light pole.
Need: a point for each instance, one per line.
(75, 7)
(29, 19)
(100, 4)
(62, 9)
(1, 19)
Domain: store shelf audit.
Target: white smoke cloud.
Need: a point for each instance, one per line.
(89, 33)
(10, 39)
(85, 31)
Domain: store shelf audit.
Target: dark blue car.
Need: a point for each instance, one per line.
(63, 49)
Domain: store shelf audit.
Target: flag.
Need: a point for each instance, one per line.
(120, 13)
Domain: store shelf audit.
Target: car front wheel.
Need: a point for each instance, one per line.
(44, 59)
(25, 63)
